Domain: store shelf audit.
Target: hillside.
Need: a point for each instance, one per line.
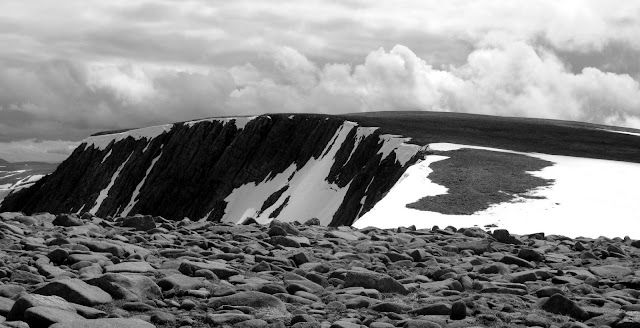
(514, 133)
(228, 169)
(419, 168)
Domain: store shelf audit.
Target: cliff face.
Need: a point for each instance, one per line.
(290, 167)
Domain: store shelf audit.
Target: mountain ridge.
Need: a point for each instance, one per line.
(296, 167)
(203, 162)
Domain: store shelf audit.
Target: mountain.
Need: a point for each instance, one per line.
(294, 167)
(383, 169)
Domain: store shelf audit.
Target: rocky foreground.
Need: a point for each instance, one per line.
(143, 271)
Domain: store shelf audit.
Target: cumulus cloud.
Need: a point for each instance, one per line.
(81, 66)
(515, 79)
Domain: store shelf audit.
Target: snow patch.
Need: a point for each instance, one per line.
(136, 192)
(240, 122)
(623, 132)
(146, 147)
(305, 183)
(101, 142)
(398, 144)
(106, 156)
(30, 179)
(22, 183)
(105, 192)
(590, 197)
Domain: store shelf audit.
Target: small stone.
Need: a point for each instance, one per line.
(221, 319)
(416, 323)
(530, 255)
(458, 310)
(130, 267)
(137, 307)
(610, 271)
(276, 231)
(390, 307)
(503, 236)
(559, 304)
(508, 259)
(31, 300)
(130, 287)
(43, 316)
(76, 291)
(256, 300)
(139, 222)
(344, 324)
(287, 227)
(548, 291)
(67, 220)
(58, 255)
(104, 323)
(433, 309)
(379, 281)
(187, 304)
(251, 323)
(312, 222)
(11, 291)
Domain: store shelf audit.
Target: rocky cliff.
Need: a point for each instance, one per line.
(293, 167)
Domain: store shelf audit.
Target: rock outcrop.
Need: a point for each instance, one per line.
(290, 167)
(190, 274)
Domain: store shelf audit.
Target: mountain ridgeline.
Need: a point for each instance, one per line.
(290, 167)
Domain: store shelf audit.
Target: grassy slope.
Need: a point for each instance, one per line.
(476, 179)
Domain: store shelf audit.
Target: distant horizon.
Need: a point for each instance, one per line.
(60, 156)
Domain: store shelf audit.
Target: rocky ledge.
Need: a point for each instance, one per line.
(143, 271)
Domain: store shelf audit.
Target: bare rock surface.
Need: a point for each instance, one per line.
(85, 271)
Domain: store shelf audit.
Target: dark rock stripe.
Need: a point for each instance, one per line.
(202, 163)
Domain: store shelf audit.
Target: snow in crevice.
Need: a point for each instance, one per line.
(12, 173)
(105, 192)
(106, 156)
(146, 147)
(81, 208)
(307, 183)
(134, 197)
(590, 197)
(27, 181)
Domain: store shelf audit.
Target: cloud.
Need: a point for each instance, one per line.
(82, 66)
(36, 150)
(61, 99)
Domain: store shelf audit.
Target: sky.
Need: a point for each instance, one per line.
(75, 67)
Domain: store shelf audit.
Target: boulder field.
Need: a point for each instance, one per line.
(70, 271)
